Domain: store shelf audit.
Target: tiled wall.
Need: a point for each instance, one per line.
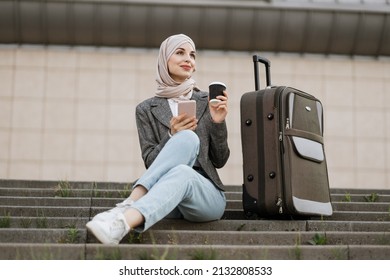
(68, 113)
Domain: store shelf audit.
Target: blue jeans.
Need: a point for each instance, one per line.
(175, 189)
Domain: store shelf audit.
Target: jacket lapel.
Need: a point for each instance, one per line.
(161, 111)
(201, 103)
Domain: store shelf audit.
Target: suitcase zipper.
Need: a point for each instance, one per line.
(279, 204)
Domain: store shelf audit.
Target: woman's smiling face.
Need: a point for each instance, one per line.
(181, 65)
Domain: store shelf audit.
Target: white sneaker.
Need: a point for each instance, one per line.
(109, 231)
(112, 213)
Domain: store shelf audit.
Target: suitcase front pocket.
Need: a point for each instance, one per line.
(308, 149)
(304, 162)
(308, 185)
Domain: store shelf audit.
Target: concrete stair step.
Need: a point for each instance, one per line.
(47, 235)
(116, 195)
(276, 225)
(44, 222)
(37, 184)
(191, 252)
(118, 186)
(64, 193)
(262, 238)
(233, 214)
(362, 206)
(110, 202)
(45, 211)
(222, 225)
(82, 185)
(363, 197)
(73, 235)
(369, 191)
(76, 201)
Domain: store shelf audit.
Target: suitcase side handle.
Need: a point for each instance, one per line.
(267, 64)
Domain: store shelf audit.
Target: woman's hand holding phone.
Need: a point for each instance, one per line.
(186, 118)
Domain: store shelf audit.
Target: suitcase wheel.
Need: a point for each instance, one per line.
(248, 214)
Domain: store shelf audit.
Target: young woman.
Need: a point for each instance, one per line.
(181, 153)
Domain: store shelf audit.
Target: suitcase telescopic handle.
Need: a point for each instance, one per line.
(267, 64)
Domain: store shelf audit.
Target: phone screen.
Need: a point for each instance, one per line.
(187, 107)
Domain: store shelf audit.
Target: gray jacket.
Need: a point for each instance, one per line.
(153, 121)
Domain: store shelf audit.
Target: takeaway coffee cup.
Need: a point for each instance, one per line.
(215, 89)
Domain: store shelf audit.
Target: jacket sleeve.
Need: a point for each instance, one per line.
(150, 138)
(219, 149)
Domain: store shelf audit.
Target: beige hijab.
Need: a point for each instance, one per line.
(166, 86)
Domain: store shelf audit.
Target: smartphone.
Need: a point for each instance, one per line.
(188, 107)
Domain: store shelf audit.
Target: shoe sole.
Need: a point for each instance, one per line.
(96, 229)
